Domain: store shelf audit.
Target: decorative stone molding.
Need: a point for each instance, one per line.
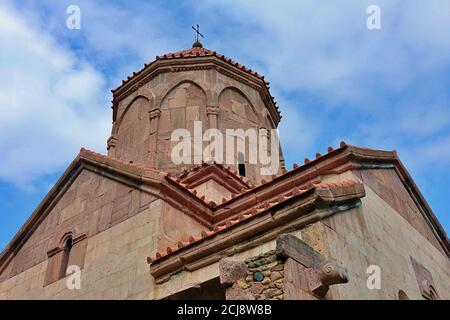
(322, 277)
(60, 247)
(320, 273)
(425, 281)
(155, 113)
(293, 271)
(212, 110)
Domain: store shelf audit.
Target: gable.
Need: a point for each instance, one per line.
(220, 174)
(214, 191)
(386, 183)
(85, 206)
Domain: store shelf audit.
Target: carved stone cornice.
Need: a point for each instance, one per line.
(75, 239)
(321, 277)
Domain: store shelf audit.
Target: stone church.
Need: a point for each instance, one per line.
(348, 224)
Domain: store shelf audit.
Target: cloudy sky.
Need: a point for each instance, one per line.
(333, 78)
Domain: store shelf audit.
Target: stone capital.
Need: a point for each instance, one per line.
(155, 113)
(212, 110)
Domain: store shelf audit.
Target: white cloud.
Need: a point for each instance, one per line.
(392, 84)
(320, 58)
(50, 103)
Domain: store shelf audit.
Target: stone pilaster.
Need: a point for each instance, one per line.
(212, 113)
(154, 117)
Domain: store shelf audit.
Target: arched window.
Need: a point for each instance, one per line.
(241, 164)
(402, 295)
(65, 257)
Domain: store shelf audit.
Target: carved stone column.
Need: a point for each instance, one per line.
(212, 113)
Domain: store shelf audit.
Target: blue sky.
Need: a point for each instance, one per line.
(333, 78)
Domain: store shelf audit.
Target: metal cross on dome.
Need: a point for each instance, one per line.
(197, 31)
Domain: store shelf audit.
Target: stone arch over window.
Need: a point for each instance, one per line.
(69, 250)
(133, 130)
(66, 250)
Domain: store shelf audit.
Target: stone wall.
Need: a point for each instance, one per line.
(378, 234)
(114, 267)
(120, 234)
(91, 205)
(294, 271)
(372, 234)
(264, 279)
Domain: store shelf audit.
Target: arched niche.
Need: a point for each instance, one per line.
(132, 131)
(236, 107)
(180, 108)
(182, 105)
(130, 105)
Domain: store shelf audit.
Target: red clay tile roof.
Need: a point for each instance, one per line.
(256, 211)
(177, 178)
(202, 52)
(357, 153)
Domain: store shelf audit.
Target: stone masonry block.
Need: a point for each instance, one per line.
(231, 271)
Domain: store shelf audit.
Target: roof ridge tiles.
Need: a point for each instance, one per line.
(199, 52)
(121, 161)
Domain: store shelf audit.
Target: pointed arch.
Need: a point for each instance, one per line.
(237, 93)
(127, 108)
(171, 86)
(132, 131)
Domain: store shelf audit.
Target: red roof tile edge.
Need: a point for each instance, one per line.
(200, 52)
(257, 210)
(208, 202)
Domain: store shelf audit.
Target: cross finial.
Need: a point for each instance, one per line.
(197, 31)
